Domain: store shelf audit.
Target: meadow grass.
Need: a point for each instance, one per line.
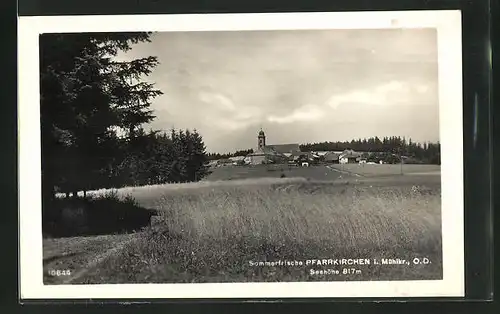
(374, 170)
(212, 232)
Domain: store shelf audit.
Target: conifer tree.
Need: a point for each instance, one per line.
(198, 161)
(86, 96)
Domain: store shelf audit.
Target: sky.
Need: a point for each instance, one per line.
(299, 86)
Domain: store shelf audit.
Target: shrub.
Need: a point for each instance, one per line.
(106, 214)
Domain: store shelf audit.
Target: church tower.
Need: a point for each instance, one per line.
(261, 140)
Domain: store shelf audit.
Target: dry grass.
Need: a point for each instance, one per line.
(356, 218)
(149, 196)
(210, 233)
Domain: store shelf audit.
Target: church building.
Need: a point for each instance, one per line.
(278, 153)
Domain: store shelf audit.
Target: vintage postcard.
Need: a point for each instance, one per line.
(291, 155)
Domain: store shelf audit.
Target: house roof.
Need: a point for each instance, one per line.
(321, 153)
(263, 151)
(295, 154)
(285, 148)
(349, 153)
(332, 156)
(257, 153)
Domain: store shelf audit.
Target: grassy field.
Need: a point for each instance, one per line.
(370, 170)
(271, 171)
(218, 231)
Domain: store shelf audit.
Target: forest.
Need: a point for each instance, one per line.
(426, 152)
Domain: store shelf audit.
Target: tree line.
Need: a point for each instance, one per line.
(238, 153)
(158, 157)
(93, 109)
(427, 152)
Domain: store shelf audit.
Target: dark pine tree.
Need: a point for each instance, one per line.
(86, 96)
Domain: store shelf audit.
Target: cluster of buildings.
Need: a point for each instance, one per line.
(291, 154)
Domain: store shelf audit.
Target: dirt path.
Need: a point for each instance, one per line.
(78, 255)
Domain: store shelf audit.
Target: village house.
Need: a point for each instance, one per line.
(321, 153)
(224, 162)
(331, 157)
(212, 163)
(277, 153)
(349, 156)
(237, 160)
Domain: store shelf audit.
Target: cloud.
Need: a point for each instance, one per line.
(248, 114)
(305, 113)
(227, 124)
(238, 121)
(391, 87)
(219, 111)
(218, 101)
(389, 93)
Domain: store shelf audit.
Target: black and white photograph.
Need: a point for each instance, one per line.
(275, 155)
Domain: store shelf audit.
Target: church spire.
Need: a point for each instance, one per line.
(261, 139)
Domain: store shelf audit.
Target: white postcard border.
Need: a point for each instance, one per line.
(448, 25)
